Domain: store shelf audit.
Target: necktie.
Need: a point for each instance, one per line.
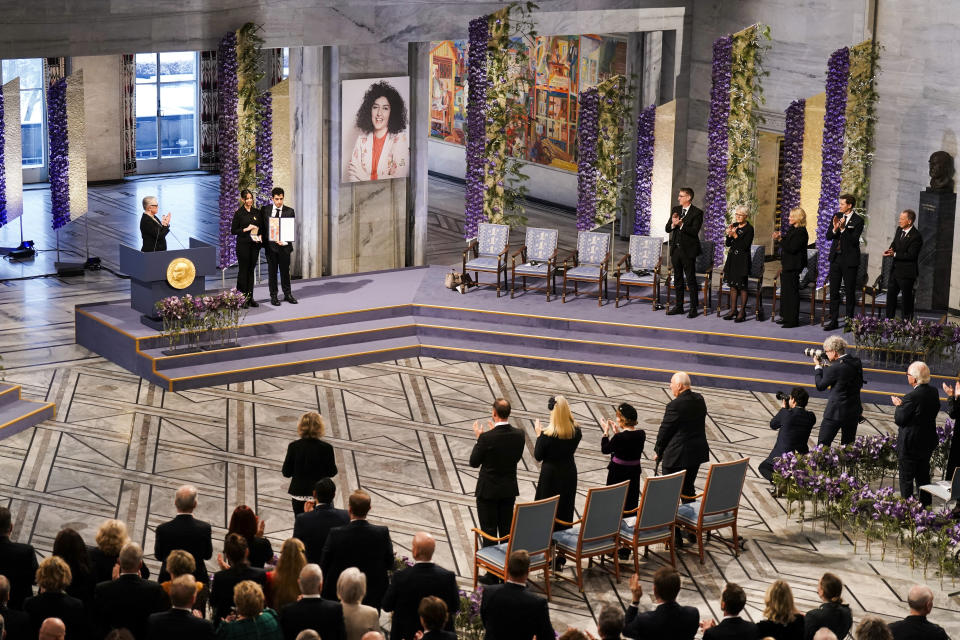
(276, 213)
(683, 213)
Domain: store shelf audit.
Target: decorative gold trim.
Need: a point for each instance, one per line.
(32, 413)
(13, 388)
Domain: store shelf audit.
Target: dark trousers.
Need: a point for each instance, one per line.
(896, 287)
(689, 480)
(495, 517)
(684, 274)
(790, 297)
(829, 429)
(278, 260)
(248, 254)
(915, 470)
(766, 469)
(298, 506)
(840, 272)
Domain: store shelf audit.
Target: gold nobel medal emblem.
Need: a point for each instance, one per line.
(180, 273)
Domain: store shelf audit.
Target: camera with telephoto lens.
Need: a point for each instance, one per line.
(782, 397)
(818, 355)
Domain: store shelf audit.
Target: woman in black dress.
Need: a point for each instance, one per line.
(554, 450)
(625, 447)
(69, 546)
(308, 459)
(737, 267)
(793, 259)
(246, 226)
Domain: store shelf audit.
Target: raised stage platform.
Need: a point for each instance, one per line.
(370, 317)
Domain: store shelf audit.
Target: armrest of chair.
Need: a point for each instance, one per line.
(605, 265)
(631, 511)
(699, 495)
(573, 255)
(480, 533)
(471, 246)
(625, 258)
(776, 278)
(568, 524)
(522, 251)
(502, 256)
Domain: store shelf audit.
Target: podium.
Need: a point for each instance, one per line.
(160, 274)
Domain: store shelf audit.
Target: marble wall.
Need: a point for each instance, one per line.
(104, 124)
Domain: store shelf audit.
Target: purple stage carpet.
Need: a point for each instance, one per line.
(371, 317)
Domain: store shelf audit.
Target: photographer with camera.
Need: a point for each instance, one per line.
(916, 419)
(794, 423)
(844, 378)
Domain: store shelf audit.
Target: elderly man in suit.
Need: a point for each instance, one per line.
(313, 526)
(682, 439)
(844, 379)
(415, 583)
(669, 619)
(916, 626)
(916, 419)
(844, 236)
(178, 621)
(277, 250)
(684, 229)
(509, 611)
(128, 601)
(905, 250)
(793, 423)
(18, 562)
(312, 611)
(184, 532)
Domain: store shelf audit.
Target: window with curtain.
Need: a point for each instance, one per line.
(32, 107)
(166, 105)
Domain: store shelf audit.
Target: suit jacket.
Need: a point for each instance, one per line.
(154, 233)
(412, 585)
(794, 427)
(497, 453)
(178, 623)
(917, 628)
(323, 616)
(906, 253)
(364, 546)
(127, 602)
(668, 620)
(846, 243)
(56, 604)
(221, 595)
(18, 562)
(685, 239)
(187, 533)
(735, 628)
(312, 528)
(832, 615)
(510, 612)
(308, 460)
(101, 568)
(844, 378)
(916, 419)
(15, 623)
(793, 249)
(682, 439)
(265, 214)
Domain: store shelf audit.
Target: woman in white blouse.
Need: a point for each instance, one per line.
(382, 150)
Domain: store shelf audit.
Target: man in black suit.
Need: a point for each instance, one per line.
(277, 251)
(311, 611)
(415, 583)
(53, 629)
(833, 614)
(844, 378)
(794, 424)
(179, 621)
(18, 562)
(237, 554)
(184, 532)
(313, 526)
(684, 229)
(905, 250)
(127, 602)
(916, 626)
(682, 439)
(16, 623)
(669, 619)
(497, 452)
(732, 627)
(916, 419)
(358, 544)
(509, 611)
(844, 235)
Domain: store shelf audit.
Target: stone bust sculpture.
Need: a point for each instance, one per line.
(941, 172)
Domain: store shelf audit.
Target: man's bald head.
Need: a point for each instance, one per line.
(53, 629)
(824, 633)
(423, 546)
(186, 499)
(372, 635)
(920, 599)
(679, 383)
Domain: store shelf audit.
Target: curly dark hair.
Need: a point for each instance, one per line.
(398, 109)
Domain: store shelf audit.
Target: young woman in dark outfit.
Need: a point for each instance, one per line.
(737, 267)
(626, 449)
(245, 226)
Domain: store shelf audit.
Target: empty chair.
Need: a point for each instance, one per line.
(878, 292)
(596, 533)
(719, 504)
(654, 518)
(640, 267)
(538, 258)
(489, 250)
(590, 262)
(754, 281)
(704, 274)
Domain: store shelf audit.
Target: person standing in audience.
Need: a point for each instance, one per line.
(736, 268)
(833, 613)
(277, 250)
(153, 229)
(180, 563)
(185, 532)
(435, 619)
(844, 236)
(732, 627)
(52, 601)
(311, 611)
(781, 619)
(625, 448)
(793, 260)
(872, 628)
(111, 536)
(18, 562)
(682, 439)
(313, 526)
(844, 379)
(282, 582)
(53, 629)
(684, 229)
(246, 227)
(245, 522)
(510, 611)
(358, 619)
(824, 633)
(221, 594)
(916, 626)
(953, 411)
(793, 424)
(610, 622)
(128, 601)
(411, 585)
(253, 619)
(16, 623)
(178, 621)
(69, 545)
(308, 460)
(554, 450)
(905, 251)
(669, 619)
(916, 419)
(497, 452)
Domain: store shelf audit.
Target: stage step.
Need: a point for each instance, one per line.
(17, 414)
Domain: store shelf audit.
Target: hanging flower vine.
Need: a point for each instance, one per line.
(792, 161)
(646, 120)
(715, 203)
(227, 143)
(587, 162)
(476, 124)
(834, 121)
(59, 149)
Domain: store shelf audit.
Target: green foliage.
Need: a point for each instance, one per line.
(858, 137)
(612, 116)
(249, 74)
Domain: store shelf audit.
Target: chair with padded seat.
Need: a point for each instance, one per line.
(640, 267)
(489, 250)
(703, 268)
(718, 506)
(878, 291)
(590, 260)
(808, 285)
(654, 519)
(538, 259)
(754, 282)
(597, 532)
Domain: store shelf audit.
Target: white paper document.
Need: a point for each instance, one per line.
(287, 233)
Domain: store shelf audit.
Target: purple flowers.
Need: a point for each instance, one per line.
(196, 316)
(59, 147)
(834, 124)
(264, 148)
(227, 143)
(715, 203)
(476, 124)
(644, 170)
(792, 161)
(587, 163)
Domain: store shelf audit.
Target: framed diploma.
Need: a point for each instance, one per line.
(275, 229)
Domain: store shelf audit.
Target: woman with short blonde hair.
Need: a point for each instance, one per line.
(53, 574)
(357, 618)
(252, 620)
(781, 617)
(554, 450)
(308, 460)
(181, 563)
(53, 577)
(793, 260)
(111, 536)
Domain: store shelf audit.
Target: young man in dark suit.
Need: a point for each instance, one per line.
(313, 526)
(905, 250)
(916, 626)
(684, 229)
(682, 439)
(18, 562)
(221, 594)
(916, 420)
(278, 253)
(128, 601)
(793, 423)
(312, 611)
(434, 617)
(844, 378)
(184, 532)
(178, 621)
(732, 627)
(669, 619)
(358, 544)
(410, 586)
(509, 611)
(844, 235)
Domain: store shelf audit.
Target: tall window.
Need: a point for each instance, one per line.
(30, 71)
(166, 111)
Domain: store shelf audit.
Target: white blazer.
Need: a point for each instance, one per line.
(394, 158)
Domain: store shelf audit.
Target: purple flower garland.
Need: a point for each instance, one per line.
(644, 170)
(227, 143)
(715, 203)
(476, 124)
(587, 163)
(792, 161)
(834, 124)
(59, 147)
(3, 164)
(264, 148)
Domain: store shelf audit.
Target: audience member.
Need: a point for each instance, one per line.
(110, 538)
(308, 459)
(179, 620)
(916, 626)
(127, 602)
(180, 563)
(510, 611)
(16, 623)
(185, 532)
(245, 522)
(53, 629)
(18, 562)
(311, 612)
(221, 595)
(69, 545)
(252, 619)
(313, 526)
(358, 619)
(282, 587)
(794, 423)
(411, 585)
(669, 618)
(625, 448)
(833, 613)
(873, 628)
(610, 622)
(308, 634)
(824, 633)
(781, 620)
(52, 601)
(732, 627)
(953, 411)
(916, 419)
(435, 620)
(554, 450)
(358, 544)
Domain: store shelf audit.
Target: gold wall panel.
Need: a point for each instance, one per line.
(768, 168)
(77, 152)
(661, 191)
(816, 108)
(282, 154)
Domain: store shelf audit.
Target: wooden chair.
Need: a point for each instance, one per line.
(878, 291)
(489, 250)
(590, 262)
(719, 504)
(538, 257)
(704, 275)
(808, 285)
(754, 281)
(640, 267)
(655, 518)
(597, 532)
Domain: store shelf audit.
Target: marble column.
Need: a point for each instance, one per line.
(305, 195)
(417, 186)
